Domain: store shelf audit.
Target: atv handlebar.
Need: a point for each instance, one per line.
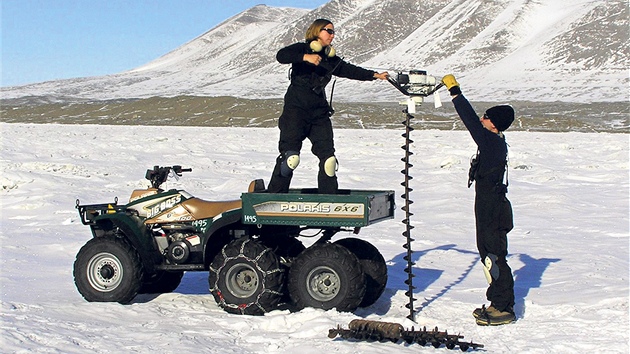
(178, 170)
(159, 175)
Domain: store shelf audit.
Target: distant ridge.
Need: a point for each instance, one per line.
(501, 50)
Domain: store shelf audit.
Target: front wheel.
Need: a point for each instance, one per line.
(327, 276)
(108, 269)
(246, 278)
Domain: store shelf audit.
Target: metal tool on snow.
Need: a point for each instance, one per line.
(385, 331)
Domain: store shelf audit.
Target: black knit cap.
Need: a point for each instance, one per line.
(501, 116)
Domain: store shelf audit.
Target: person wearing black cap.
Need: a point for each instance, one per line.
(306, 112)
(493, 211)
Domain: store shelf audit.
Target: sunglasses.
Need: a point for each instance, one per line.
(329, 30)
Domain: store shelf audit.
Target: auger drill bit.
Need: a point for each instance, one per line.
(368, 330)
(408, 214)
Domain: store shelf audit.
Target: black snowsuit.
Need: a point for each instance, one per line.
(306, 112)
(493, 211)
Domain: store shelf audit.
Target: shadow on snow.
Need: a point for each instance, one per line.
(526, 278)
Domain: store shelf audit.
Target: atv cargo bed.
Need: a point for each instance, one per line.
(348, 208)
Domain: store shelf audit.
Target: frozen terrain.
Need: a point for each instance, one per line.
(569, 249)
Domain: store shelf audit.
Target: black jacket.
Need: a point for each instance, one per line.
(492, 147)
(308, 81)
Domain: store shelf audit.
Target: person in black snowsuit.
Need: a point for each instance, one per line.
(306, 112)
(493, 211)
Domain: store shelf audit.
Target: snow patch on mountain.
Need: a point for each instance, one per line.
(500, 50)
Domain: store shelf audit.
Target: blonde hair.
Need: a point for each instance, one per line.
(312, 33)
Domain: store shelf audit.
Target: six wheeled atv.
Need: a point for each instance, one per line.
(249, 246)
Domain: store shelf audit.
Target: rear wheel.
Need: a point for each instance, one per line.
(326, 276)
(286, 248)
(108, 269)
(246, 278)
(373, 265)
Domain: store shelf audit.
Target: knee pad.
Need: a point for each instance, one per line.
(330, 166)
(290, 162)
(490, 268)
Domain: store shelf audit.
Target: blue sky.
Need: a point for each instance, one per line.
(58, 39)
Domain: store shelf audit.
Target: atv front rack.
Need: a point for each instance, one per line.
(89, 212)
(368, 330)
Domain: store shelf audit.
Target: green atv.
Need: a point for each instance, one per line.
(249, 246)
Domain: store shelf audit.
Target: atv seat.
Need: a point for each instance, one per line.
(257, 185)
(201, 209)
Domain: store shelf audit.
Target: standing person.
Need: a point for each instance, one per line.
(306, 112)
(493, 211)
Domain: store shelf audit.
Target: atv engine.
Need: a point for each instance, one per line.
(180, 244)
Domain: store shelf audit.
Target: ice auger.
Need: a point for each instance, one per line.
(408, 214)
(416, 85)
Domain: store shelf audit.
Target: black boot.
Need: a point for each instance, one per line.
(326, 184)
(278, 182)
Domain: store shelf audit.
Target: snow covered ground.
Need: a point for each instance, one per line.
(569, 249)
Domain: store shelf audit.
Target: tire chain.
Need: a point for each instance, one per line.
(241, 308)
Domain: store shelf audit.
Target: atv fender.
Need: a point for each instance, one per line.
(215, 240)
(135, 233)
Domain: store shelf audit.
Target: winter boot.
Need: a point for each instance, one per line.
(479, 312)
(492, 317)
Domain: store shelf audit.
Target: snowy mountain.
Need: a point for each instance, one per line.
(537, 50)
